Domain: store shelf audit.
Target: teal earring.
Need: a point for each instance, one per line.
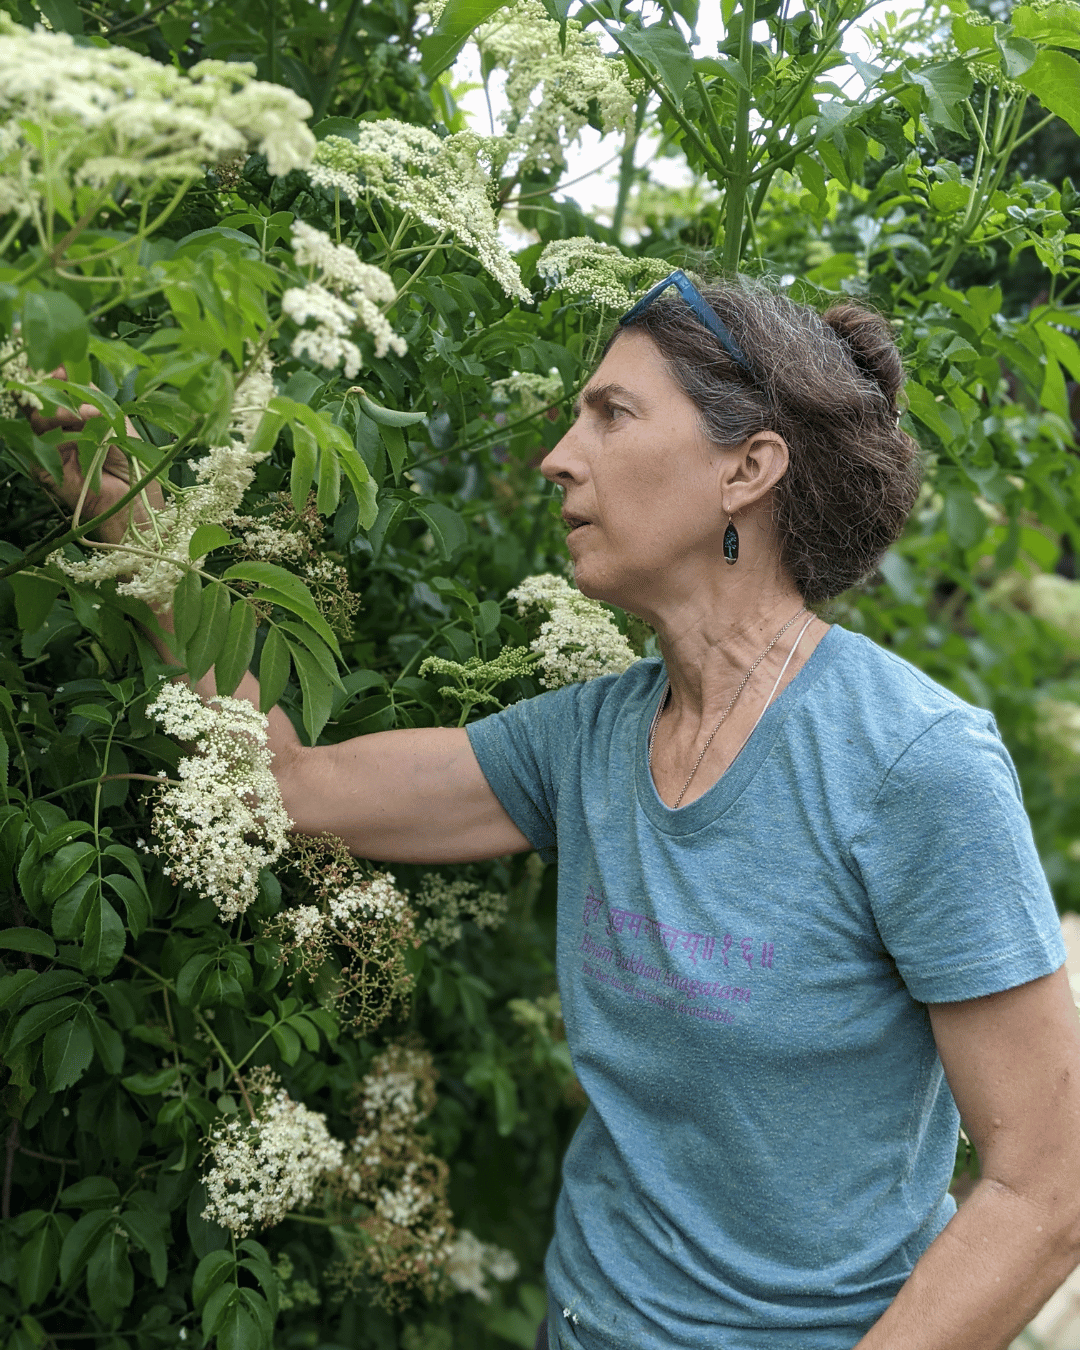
(731, 543)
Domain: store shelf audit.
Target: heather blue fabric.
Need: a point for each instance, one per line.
(769, 1137)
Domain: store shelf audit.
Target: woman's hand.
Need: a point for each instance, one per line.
(115, 472)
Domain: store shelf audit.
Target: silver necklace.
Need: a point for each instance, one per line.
(723, 715)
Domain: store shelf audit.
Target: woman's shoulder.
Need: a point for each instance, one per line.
(889, 704)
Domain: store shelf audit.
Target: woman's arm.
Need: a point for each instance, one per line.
(1012, 1061)
(396, 796)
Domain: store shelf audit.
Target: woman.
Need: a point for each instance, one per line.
(796, 883)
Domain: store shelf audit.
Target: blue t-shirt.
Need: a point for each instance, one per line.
(769, 1138)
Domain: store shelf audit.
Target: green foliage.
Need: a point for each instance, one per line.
(133, 1016)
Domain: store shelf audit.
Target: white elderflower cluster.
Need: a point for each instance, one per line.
(108, 114)
(153, 555)
(268, 1166)
(552, 80)
(601, 273)
(531, 390)
(578, 640)
(473, 1262)
(443, 902)
(15, 373)
(223, 822)
(445, 183)
(348, 297)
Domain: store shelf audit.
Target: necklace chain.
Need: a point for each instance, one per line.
(723, 715)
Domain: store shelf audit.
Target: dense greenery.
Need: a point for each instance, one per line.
(138, 1018)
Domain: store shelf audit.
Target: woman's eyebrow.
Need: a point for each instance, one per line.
(598, 394)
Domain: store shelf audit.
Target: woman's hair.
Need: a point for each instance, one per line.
(828, 383)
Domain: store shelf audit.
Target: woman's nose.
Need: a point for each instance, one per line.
(563, 464)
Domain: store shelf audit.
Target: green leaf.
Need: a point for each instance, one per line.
(31, 940)
(387, 417)
(316, 689)
(110, 1281)
(34, 599)
(147, 1230)
(136, 902)
(54, 330)
(946, 86)
(1054, 79)
(11, 986)
(64, 870)
(150, 1084)
(190, 978)
(207, 538)
(39, 1261)
(66, 1054)
(287, 1042)
(662, 49)
(71, 909)
(203, 649)
(302, 471)
(64, 16)
(108, 1045)
(238, 1330)
(91, 1193)
(397, 448)
(93, 712)
(329, 494)
(447, 527)
(36, 1021)
(187, 608)
(235, 657)
(460, 17)
(81, 1240)
(274, 665)
(210, 1274)
(103, 939)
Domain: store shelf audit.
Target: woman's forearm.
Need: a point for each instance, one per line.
(988, 1271)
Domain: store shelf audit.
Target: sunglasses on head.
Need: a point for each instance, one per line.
(701, 308)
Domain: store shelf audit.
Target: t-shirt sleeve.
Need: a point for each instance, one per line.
(950, 867)
(521, 752)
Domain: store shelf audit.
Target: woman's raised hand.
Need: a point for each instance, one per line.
(115, 472)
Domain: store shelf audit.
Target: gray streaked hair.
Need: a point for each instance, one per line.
(828, 383)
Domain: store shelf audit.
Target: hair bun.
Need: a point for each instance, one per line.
(870, 343)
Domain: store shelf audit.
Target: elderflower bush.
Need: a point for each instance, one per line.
(589, 270)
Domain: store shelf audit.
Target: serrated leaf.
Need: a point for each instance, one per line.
(210, 1273)
(239, 645)
(64, 870)
(275, 663)
(329, 494)
(136, 902)
(31, 940)
(34, 599)
(147, 1230)
(238, 1330)
(393, 438)
(316, 689)
(446, 526)
(103, 939)
(80, 1241)
(91, 1193)
(287, 1042)
(110, 1281)
(207, 538)
(66, 1054)
(93, 712)
(206, 643)
(54, 329)
(39, 1261)
(663, 49)
(304, 460)
(187, 608)
(108, 1045)
(36, 1021)
(190, 976)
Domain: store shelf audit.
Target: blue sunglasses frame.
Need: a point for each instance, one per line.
(701, 308)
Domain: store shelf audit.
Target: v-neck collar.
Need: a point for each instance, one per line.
(740, 773)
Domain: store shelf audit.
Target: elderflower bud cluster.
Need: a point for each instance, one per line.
(405, 1244)
(268, 1166)
(555, 75)
(445, 183)
(532, 391)
(444, 902)
(107, 114)
(348, 297)
(153, 556)
(473, 1262)
(578, 640)
(223, 822)
(597, 272)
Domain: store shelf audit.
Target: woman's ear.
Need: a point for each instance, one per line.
(754, 469)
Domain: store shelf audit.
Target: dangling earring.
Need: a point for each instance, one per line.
(731, 543)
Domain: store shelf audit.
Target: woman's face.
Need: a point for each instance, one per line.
(642, 485)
